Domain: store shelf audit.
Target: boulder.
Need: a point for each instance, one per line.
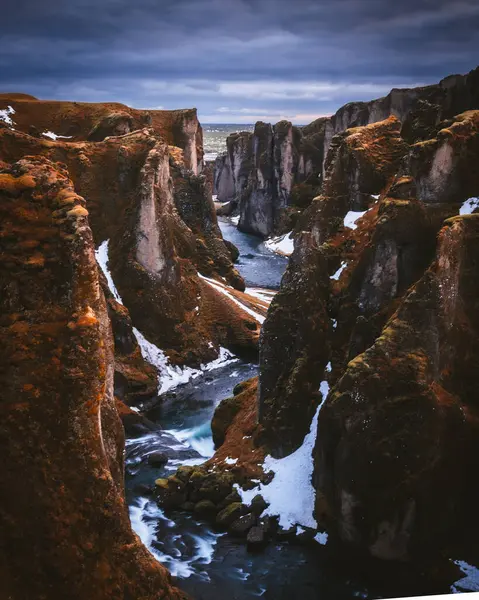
(230, 514)
(241, 526)
(256, 538)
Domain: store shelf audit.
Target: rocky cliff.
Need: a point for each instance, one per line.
(378, 304)
(259, 171)
(85, 121)
(71, 536)
(81, 336)
(161, 230)
(274, 174)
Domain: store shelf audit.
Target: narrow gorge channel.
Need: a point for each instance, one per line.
(209, 564)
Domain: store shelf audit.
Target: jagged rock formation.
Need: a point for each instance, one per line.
(161, 228)
(209, 490)
(360, 163)
(71, 355)
(70, 537)
(273, 174)
(260, 169)
(382, 310)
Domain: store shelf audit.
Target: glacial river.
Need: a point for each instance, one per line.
(208, 564)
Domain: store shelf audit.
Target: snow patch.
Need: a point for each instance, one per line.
(231, 461)
(324, 389)
(469, 583)
(54, 136)
(351, 218)
(321, 538)
(283, 244)
(263, 294)
(101, 256)
(5, 115)
(290, 494)
(328, 367)
(469, 206)
(337, 275)
(169, 376)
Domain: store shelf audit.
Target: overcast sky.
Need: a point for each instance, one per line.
(237, 61)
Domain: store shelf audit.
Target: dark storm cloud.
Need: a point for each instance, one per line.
(234, 59)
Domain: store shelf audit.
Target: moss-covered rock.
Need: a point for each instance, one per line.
(229, 514)
(205, 508)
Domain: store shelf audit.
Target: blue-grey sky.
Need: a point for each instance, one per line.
(237, 61)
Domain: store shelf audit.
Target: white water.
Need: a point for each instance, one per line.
(144, 517)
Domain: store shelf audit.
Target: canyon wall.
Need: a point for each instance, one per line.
(376, 322)
(79, 341)
(276, 174)
(70, 535)
(87, 121)
(260, 169)
(161, 229)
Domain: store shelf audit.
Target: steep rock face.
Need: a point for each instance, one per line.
(256, 204)
(196, 208)
(135, 203)
(420, 109)
(288, 178)
(398, 437)
(95, 121)
(441, 166)
(60, 428)
(295, 335)
(209, 490)
(386, 314)
(260, 171)
(135, 380)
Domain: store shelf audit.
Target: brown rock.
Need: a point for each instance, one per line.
(60, 428)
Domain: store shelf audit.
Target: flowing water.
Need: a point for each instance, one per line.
(208, 564)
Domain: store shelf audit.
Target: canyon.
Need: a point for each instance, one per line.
(336, 402)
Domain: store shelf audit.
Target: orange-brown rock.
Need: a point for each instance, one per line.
(209, 489)
(69, 535)
(96, 121)
(135, 380)
(154, 253)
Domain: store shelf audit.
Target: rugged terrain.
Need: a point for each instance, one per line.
(71, 536)
(373, 336)
(268, 177)
(122, 186)
(363, 420)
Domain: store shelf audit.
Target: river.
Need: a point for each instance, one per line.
(208, 564)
